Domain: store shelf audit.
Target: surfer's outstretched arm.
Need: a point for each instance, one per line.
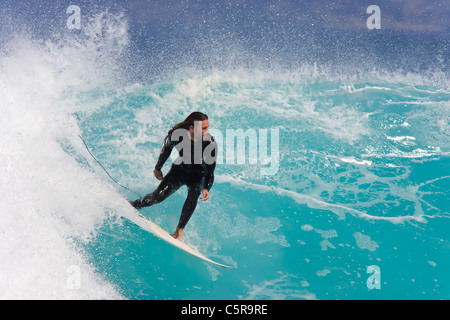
(164, 155)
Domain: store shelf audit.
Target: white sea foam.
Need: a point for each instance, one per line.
(282, 288)
(312, 202)
(50, 205)
(364, 242)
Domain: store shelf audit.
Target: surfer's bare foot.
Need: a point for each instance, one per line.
(177, 234)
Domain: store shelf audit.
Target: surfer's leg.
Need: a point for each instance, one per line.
(167, 187)
(189, 205)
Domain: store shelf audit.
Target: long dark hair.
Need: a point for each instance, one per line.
(186, 124)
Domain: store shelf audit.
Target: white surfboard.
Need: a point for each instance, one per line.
(164, 235)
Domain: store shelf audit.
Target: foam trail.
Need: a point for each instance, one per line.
(314, 203)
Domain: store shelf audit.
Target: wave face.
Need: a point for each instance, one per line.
(343, 166)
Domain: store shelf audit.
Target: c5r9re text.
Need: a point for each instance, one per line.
(240, 309)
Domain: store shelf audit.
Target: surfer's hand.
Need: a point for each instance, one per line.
(205, 194)
(158, 174)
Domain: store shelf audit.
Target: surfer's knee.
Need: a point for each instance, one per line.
(158, 197)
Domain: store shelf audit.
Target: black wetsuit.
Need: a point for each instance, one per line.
(194, 172)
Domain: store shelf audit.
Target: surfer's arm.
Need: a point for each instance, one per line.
(210, 157)
(164, 155)
(209, 178)
(210, 166)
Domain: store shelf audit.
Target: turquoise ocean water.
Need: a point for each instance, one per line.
(358, 175)
(356, 186)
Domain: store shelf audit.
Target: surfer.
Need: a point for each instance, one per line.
(194, 167)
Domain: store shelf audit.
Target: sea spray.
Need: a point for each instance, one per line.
(50, 204)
